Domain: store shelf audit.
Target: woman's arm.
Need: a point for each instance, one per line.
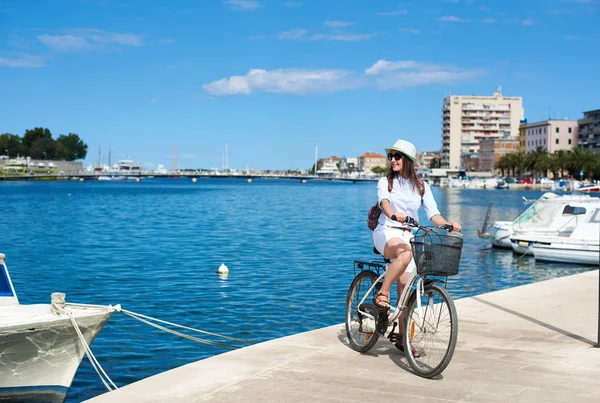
(439, 220)
(389, 212)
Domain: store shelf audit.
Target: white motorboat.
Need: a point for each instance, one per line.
(536, 218)
(500, 234)
(555, 219)
(40, 349)
(582, 246)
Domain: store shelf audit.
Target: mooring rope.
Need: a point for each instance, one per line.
(88, 351)
(108, 383)
(148, 319)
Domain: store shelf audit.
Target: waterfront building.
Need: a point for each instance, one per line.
(523, 136)
(492, 150)
(551, 135)
(348, 164)
(27, 165)
(370, 160)
(589, 130)
(467, 120)
(329, 163)
(426, 158)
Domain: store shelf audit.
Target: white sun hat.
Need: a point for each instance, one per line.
(405, 148)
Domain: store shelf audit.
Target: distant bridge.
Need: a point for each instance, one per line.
(190, 175)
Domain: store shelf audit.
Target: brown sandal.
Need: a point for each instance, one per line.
(382, 301)
(400, 346)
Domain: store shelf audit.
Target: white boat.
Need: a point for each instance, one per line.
(536, 218)
(40, 349)
(501, 234)
(588, 188)
(558, 217)
(582, 246)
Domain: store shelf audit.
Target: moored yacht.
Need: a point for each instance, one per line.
(536, 219)
(40, 349)
(557, 220)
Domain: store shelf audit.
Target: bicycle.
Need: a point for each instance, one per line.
(430, 314)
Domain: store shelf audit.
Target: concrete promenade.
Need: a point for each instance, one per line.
(532, 343)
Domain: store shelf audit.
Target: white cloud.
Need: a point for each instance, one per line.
(255, 37)
(488, 20)
(242, 5)
(300, 34)
(338, 24)
(528, 22)
(293, 34)
(89, 39)
(410, 30)
(383, 75)
(451, 18)
(408, 73)
(23, 60)
(400, 11)
(285, 81)
(343, 37)
(292, 4)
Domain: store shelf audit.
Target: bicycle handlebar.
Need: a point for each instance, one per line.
(415, 224)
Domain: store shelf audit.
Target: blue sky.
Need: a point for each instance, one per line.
(272, 79)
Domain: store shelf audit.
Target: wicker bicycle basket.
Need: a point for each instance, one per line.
(436, 254)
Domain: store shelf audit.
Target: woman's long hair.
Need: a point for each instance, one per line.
(408, 171)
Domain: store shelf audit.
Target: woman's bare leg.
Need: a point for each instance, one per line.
(400, 252)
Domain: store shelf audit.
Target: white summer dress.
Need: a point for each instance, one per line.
(403, 198)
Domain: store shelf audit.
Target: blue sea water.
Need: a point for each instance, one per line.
(155, 246)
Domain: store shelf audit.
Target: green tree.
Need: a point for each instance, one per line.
(586, 160)
(379, 170)
(32, 135)
(533, 157)
(11, 145)
(71, 147)
(43, 148)
(435, 163)
(562, 158)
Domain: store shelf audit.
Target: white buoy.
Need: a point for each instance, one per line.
(249, 180)
(80, 179)
(194, 180)
(138, 179)
(223, 269)
(303, 181)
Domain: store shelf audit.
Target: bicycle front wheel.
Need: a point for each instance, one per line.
(361, 330)
(431, 330)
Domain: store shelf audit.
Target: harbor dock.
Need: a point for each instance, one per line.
(532, 343)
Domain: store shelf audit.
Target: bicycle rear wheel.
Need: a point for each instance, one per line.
(432, 331)
(361, 331)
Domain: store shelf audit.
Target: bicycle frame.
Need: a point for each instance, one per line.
(402, 301)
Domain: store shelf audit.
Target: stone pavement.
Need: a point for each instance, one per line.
(533, 343)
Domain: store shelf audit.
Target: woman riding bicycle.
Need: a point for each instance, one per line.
(400, 193)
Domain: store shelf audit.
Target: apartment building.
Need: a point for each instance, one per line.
(551, 135)
(589, 130)
(348, 164)
(427, 157)
(370, 160)
(467, 120)
(523, 136)
(493, 149)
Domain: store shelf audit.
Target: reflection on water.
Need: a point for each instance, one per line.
(155, 247)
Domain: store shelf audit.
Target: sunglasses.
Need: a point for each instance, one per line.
(397, 156)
